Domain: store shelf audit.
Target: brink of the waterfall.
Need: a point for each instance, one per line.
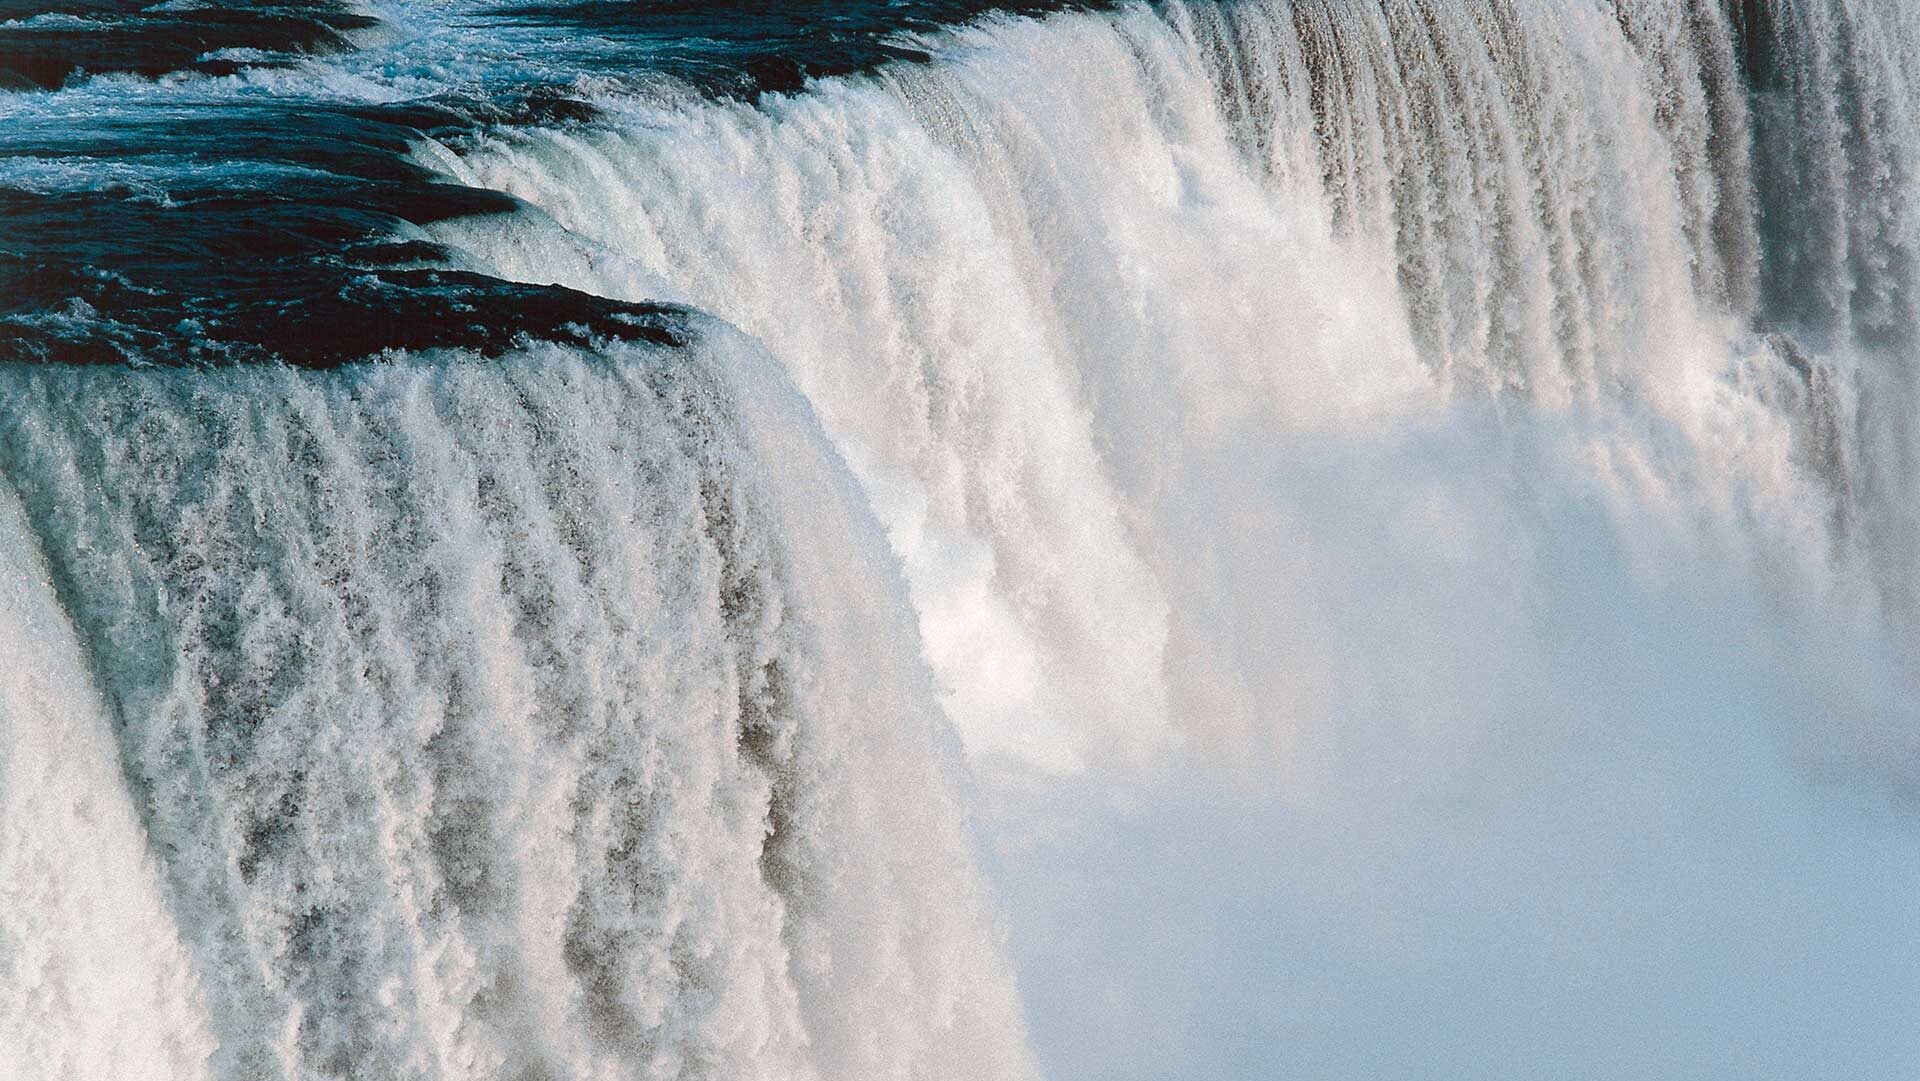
(941, 540)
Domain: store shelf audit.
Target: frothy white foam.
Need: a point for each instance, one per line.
(1348, 415)
(487, 718)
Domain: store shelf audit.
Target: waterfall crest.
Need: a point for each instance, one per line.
(1055, 291)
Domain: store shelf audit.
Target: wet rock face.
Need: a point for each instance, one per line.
(337, 315)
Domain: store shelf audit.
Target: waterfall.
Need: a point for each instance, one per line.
(1307, 538)
(486, 718)
(1470, 441)
(1055, 293)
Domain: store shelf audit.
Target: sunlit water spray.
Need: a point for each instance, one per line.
(1435, 432)
(1409, 506)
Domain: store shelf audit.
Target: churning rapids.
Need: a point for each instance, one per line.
(1334, 539)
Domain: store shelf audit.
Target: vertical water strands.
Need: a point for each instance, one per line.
(477, 723)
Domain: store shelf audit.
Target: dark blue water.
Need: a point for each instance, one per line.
(197, 183)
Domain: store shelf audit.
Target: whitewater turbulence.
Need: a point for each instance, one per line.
(1473, 441)
(1411, 508)
(484, 718)
(1060, 294)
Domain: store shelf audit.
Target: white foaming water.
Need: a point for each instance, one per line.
(93, 979)
(1409, 505)
(488, 719)
(1414, 525)
(1058, 296)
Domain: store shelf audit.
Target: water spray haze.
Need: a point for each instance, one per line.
(1338, 539)
(1408, 578)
